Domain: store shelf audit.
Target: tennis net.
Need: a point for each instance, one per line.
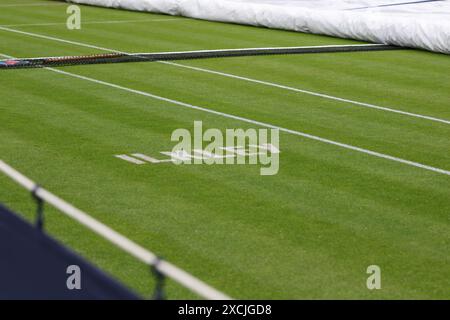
(120, 57)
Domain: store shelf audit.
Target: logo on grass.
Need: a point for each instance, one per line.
(74, 19)
(216, 147)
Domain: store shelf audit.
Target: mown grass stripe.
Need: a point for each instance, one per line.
(317, 94)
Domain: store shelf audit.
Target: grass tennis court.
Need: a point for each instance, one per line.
(308, 232)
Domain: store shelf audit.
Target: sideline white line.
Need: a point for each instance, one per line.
(36, 35)
(139, 252)
(312, 93)
(262, 124)
(89, 22)
(317, 94)
(258, 123)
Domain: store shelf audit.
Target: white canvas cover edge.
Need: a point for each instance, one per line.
(409, 23)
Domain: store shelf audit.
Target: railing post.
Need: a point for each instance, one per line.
(39, 208)
(160, 280)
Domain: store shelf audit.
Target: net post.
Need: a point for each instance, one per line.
(160, 280)
(39, 208)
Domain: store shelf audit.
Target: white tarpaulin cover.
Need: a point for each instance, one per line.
(411, 23)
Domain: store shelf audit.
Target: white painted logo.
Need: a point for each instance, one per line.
(374, 280)
(74, 280)
(236, 146)
(74, 20)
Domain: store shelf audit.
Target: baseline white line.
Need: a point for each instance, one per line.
(271, 84)
(89, 22)
(258, 123)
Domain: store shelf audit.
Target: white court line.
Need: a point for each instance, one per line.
(89, 22)
(312, 93)
(36, 35)
(317, 94)
(129, 159)
(262, 124)
(149, 159)
(258, 123)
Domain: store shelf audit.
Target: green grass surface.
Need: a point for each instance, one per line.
(308, 232)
